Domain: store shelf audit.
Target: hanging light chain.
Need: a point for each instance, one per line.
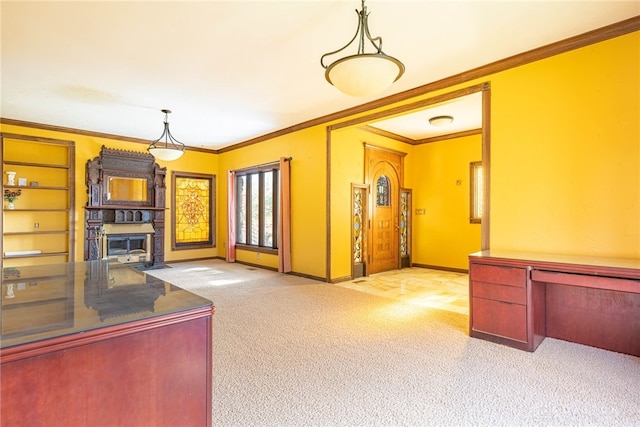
(362, 30)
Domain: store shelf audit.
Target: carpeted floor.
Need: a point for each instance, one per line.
(289, 351)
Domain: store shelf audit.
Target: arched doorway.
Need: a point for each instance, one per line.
(366, 122)
(384, 175)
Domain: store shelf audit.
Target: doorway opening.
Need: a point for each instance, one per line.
(390, 233)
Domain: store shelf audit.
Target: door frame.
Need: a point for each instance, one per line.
(375, 158)
(484, 87)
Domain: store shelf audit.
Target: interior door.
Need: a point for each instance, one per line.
(384, 250)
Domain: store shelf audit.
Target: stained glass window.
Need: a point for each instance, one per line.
(383, 191)
(404, 215)
(193, 210)
(358, 219)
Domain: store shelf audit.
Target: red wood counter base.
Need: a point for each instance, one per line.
(139, 369)
(518, 299)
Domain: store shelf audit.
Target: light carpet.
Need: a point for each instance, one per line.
(290, 351)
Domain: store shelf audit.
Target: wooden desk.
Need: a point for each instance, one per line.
(518, 299)
(96, 344)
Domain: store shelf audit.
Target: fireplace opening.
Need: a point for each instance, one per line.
(127, 243)
(119, 245)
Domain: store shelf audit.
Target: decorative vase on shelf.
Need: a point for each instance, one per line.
(11, 196)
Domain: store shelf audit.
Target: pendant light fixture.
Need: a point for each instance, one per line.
(170, 148)
(363, 74)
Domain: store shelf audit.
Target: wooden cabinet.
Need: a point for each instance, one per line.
(499, 304)
(100, 344)
(518, 299)
(38, 229)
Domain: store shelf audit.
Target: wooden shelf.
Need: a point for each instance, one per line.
(27, 233)
(37, 187)
(46, 161)
(35, 164)
(37, 210)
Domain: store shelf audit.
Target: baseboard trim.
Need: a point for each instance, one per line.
(192, 259)
(264, 267)
(307, 276)
(438, 267)
(341, 279)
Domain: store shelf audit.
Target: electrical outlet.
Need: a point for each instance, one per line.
(36, 225)
(257, 255)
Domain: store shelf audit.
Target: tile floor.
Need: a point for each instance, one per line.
(440, 289)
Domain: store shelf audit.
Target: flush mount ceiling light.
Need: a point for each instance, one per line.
(170, 148)
(441, 120)
(363, 74)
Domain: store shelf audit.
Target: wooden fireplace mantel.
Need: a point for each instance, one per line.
(102, 208)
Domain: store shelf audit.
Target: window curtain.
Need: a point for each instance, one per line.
(231, 217)
(284, 226)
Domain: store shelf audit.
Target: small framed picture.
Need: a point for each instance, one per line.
(22, 182)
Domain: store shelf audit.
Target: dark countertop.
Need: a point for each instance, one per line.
(50, 301)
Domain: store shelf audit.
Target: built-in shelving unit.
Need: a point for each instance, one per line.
(39, 228)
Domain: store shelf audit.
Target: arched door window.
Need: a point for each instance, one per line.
(383, 191)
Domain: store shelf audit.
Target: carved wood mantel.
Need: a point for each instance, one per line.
(102, 208)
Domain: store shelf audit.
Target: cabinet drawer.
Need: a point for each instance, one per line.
(504, 293)
(512, 276)
(500, 318)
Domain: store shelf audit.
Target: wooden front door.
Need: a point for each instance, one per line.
(384, 220)
(384, 175)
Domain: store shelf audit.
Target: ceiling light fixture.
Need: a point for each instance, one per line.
(170, 148)
(363, 74)
(441, 120)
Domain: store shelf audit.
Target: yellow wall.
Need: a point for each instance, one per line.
(443, 235)
(87, 148)
(308, 196)
(347, 167)
(565, 164)
(565, 157)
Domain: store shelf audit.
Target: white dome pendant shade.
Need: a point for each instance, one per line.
(363, 74)
(166, 154)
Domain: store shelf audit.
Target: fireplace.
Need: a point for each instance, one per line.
(127, 243)
(125, 212)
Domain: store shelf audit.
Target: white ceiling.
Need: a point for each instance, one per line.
(466, 112)
(234, 70)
